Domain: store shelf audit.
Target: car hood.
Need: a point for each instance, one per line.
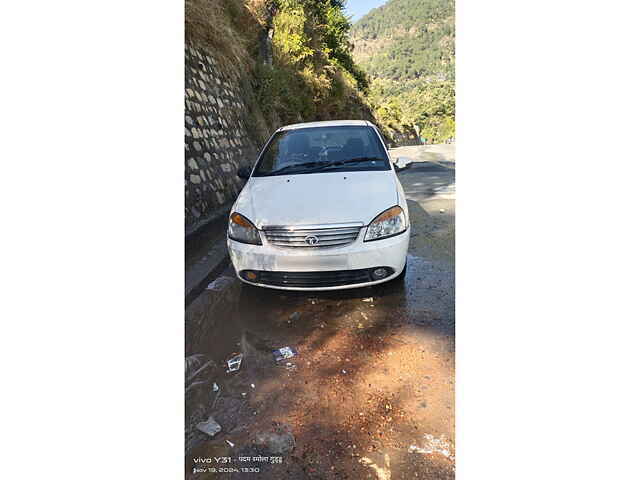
(319, 198)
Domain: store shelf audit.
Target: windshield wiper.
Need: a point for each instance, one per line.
(337, 163)
(321, 165)
(288, 167)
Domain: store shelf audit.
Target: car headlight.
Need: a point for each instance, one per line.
(389, 223)
(242, 230)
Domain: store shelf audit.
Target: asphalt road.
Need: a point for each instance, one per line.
(370, 393)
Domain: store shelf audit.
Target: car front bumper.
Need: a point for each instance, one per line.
(305, 268)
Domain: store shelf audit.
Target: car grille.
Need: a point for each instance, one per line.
(313, 237)
(313, 279)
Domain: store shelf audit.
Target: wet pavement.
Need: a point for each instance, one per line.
(370, 392)
(205, 256)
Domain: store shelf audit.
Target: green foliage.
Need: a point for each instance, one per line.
(290, 40)
(406, 14)
(337, 44)
(313, 75)
(407, 47)
(279, 92)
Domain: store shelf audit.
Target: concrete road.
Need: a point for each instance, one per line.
(370, 393)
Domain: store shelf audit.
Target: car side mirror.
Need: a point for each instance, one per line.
(400, 162)
(244, 173)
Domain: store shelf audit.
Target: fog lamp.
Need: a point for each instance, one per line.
(379, 273)
(250, 276)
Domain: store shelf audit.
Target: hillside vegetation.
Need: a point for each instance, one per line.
(296, 55)
(313, 75)
(407, 47)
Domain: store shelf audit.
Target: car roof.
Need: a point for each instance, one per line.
(330, 123)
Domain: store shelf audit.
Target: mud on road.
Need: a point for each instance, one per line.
(370, 392)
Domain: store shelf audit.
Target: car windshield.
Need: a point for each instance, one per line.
(322, 149)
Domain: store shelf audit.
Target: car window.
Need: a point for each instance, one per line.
(322, 149)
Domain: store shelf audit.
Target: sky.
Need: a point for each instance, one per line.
(358, 8)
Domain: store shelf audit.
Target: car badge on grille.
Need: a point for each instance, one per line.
(311, 240)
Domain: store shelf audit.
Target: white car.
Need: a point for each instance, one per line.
(322, 209)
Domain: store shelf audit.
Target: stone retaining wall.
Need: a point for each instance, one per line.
(217, 140)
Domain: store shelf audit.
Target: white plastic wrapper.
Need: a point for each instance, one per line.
(234, 362)
(284, 353)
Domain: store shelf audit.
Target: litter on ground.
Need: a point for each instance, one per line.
(220, 283)
(234, 362)
(433, 445)
(284, 353)
(210, 427)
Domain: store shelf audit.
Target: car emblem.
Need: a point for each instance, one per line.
(311, 240)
